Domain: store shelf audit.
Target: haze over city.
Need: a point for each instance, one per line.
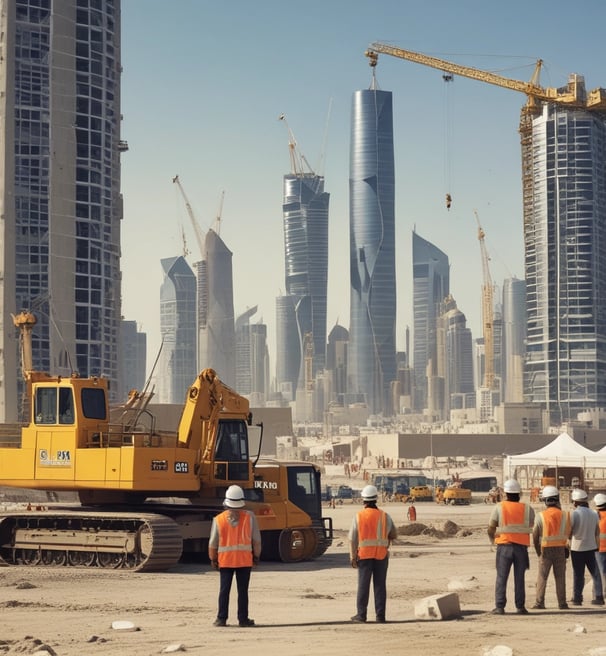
(203, 86)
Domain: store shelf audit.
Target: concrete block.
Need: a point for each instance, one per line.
(439, 607)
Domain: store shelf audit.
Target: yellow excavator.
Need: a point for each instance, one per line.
(147, 497)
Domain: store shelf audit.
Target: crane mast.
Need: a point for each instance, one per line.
(487, 310)
(190, 212)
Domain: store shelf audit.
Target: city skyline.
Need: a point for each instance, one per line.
(242, 148)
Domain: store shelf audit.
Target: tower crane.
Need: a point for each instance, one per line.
(573, 95)
(217, 224)
(298, 164)
(487, 310)
(197, 229)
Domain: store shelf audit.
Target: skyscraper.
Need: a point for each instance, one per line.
(133, 357)
(60, 180)
(177, 366)
(216, 321)
(565, 251)
(431, 285)
(514, 336)
(305, 216)
(372, 329)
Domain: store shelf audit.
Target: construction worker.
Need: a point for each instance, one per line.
(550, 537)
(585, 524)
(509, 528)
(370, 535)
(234, 547)
(600, 503)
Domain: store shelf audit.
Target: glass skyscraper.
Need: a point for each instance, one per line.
(514, 339)
(431, 285)
(372, 328)
(216, 320)
(305, 216)
(178, 367)
(565, 261)
(60, 179)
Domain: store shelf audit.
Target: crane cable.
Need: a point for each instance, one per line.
(448, 79)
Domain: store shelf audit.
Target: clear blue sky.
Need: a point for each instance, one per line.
(203, 86)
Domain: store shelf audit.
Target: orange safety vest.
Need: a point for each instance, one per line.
(514, 523)
(556, 527)
(235, 542)
(602, 514)
(373, 541)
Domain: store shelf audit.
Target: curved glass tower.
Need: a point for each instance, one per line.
(372, 351)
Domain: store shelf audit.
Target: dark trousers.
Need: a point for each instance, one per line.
(580, 561)
(226, 575)
(508, 555)
(375, 570)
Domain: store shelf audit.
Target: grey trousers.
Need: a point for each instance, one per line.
(552, 557)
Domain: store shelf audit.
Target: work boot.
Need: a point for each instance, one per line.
(598, 601)
(522, 611)
(219, 622)
(539, 606)
(247, 622)
(358, 619)
(576, 602)
(381, 619)
(564, 606)
(498, 611)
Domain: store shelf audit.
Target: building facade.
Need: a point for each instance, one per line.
(216, 320)
(133, 357)
(177, 364)
(372, 328)
(514, 339)
(565, 251)
(431, 285)
(60, 178)
(305, 217)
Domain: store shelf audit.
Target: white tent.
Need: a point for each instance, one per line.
(561, 452)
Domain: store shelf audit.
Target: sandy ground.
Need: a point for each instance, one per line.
(299, 609)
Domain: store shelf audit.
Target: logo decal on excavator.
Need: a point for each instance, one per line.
(181, 468)
(159, 465)
(63, 458)
(266, 485)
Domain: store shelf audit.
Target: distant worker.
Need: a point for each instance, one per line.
(600, 503)
(370, 535)
(509, 528)
(412, 512)
(550, 537)
(585, 524)
(234, 548)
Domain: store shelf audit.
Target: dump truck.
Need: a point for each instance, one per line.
(147, 497)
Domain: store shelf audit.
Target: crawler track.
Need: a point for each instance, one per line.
(139, 542)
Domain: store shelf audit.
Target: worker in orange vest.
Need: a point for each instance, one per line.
(509, 528)
(550, 537)
(234, 547)
(412, 512)
(370, 535)
(600, 504)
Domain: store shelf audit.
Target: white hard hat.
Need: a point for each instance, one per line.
(512, 487)
(600, 500)
(578, 494)
(549, 492)
(234, 497)
(369, 493)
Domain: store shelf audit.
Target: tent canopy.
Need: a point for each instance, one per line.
(561, 452)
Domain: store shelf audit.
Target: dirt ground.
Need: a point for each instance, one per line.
(299, 609)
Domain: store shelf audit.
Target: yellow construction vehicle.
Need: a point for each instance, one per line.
(147, 497)
(455, 495)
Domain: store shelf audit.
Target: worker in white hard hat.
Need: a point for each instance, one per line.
(370, 535)
(550, 536)
(584, 542)
(509, 527)
(600, 503)
(234, 547)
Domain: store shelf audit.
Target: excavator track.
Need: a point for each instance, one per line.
(138, 542)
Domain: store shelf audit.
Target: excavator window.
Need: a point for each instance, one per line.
(45, 405)
(93, 403)
(231, 450)
(66, 405)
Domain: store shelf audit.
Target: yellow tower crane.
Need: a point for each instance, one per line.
(487, 310)
(194, 222)
(572, 95)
